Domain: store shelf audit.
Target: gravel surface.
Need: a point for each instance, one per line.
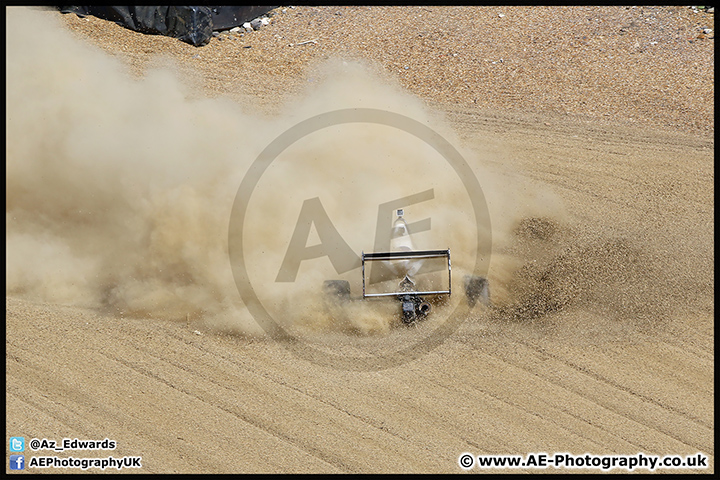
(594, 145)
(646, 66)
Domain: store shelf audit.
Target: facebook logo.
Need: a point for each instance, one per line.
(17, 444)
(17, 462)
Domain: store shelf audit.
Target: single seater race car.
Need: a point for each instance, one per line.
(406, 263)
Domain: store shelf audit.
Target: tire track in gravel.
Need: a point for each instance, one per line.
(693, 422)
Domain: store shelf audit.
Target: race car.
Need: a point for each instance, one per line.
(404, 262)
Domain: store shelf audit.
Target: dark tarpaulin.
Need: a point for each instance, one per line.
(229, 17)
(193, 25)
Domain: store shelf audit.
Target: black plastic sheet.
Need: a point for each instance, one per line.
(191, 24)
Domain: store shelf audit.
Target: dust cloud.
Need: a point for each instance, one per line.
(119, 190)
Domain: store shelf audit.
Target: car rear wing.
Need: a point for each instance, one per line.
(406, 255)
